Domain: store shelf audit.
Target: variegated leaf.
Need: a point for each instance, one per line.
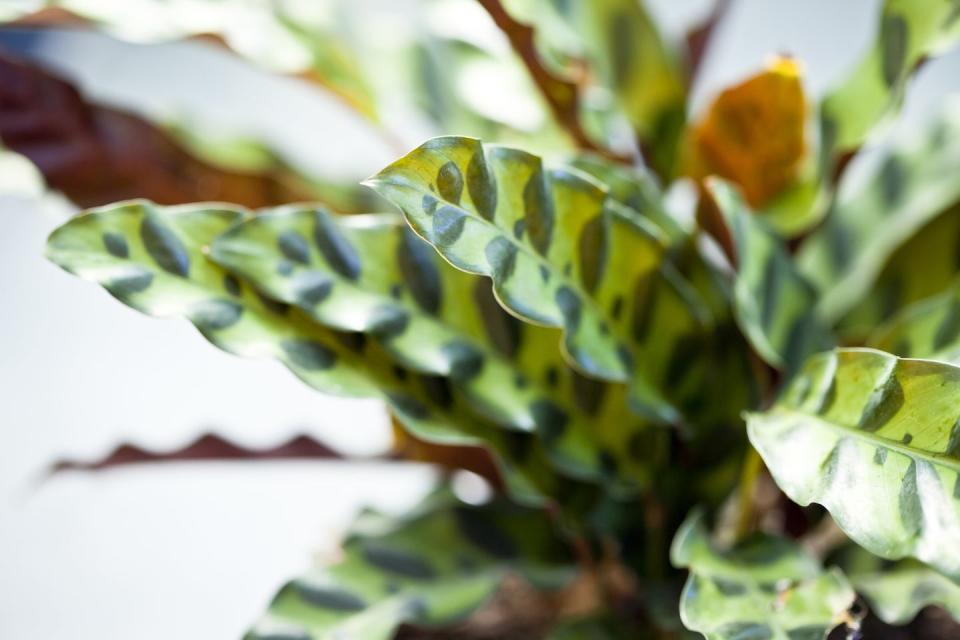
(561, 253)
(635, 188)
(908, 32)
(630, 58)
(774, 304)
(923, 267)
(371, 274)
(152, 259)
(876, 440)
(913, 183)
(898, 593)
(765, 587)
(926, 329)
(432, 567)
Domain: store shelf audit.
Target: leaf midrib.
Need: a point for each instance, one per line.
(526, 250)
(866, 436)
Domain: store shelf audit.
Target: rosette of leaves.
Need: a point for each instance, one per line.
(562, 317)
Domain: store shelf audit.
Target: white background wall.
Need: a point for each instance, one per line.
(196, 551)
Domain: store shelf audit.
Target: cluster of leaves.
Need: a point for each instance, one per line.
(604, 352)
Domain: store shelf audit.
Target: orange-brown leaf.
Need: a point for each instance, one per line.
(754, 133)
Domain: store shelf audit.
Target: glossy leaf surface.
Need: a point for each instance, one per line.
(876, 440)
(561, 253)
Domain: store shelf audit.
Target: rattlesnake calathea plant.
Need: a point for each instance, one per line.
(742, 423)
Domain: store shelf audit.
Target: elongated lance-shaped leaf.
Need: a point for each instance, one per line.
(926, 329)
(913, 183)
(635, 188)
(559, 251)
(773, 303)
(909, 31)
(876, 440)
(152, 259)
(765, 587)
(373, 275)
(898, 593)
(432, 568)
(923, 267)
(629, 57)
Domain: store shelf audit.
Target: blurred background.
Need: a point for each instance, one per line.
(193, 550)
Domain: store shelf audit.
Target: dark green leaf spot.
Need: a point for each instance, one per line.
(894, 34)
(417, 262)
(309, 355)
(450, 182)
(466, 361)
(482, 186)
(213, 315)
(569, 305)
(502, 257)
(398, 562)
(116, 245)
(448, 223)
(331, 598)
(294, 247)
(164, 246)
(335, 248)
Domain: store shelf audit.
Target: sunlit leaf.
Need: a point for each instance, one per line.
(876, 440)
(898, 593)
(908, 32)
(754, 133)
(371, 274)
(929, 328)
(432, 567)
(913, 183)
(560, 252)
(765, 587)
(774, 304)
(153, 259)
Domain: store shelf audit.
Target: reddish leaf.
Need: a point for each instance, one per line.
(207, 447)
(96, 155)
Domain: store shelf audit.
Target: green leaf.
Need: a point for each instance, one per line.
(926, 329)
(765, 587)
(432, 568)
(560, 253)
(914, 182)
(909, 31)
(634, 188)
(153, 259)
(629, 58)
(922, 267)
(897, 594)
(773, 303)
(371, 274)
(876, 440)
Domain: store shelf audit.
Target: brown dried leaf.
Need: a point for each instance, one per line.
(96, 155)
